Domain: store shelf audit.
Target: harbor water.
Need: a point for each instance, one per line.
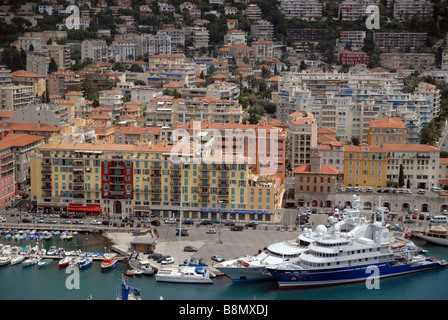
(54, 283)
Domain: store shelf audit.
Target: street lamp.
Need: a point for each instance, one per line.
(220, 223)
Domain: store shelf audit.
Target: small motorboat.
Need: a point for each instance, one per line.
(109, 263)
(64, 262)
(85, 262)
(52, 251)
(44, 262)
(129, 273)
(5, 259)
(17, 259)
(31, 261)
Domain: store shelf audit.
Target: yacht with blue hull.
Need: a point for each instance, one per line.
(253, 268)
(360, 254)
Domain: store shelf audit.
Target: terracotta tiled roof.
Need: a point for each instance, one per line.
(105, 147)
(387, 123)
(366, 148)
(409, 147)
(324, 169)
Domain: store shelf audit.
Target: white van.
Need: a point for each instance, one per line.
(439, 219)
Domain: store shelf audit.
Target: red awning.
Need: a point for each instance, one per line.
(86, 209)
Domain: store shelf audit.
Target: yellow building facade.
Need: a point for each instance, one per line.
(365, 166)
(125, 180)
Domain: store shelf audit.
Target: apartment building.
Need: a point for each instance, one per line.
(262, 30)
(387, 131)
(301, 127)
(302, 9)
(60, 80)
(127, 179)
(352, 10)
(45, 130)
(365, 166)
(16, 97)
(7, 174)
(137, 135)
(354, 39)
(38, 62)
(167, 111)
(242, 54)
(353, 58)
(95, 49)
(200, 37)
(31, 43)
(252, 12)
(263, 49)
(124, 49)
(81, 106)
(407, 9)
(27, 78)
(112, 99)
(416, 61)
(5, 76)
(307, 35)
(235, 37)
(315, 176)
(262, 145)
(154, 44)
(170, 68)
(396, 40)
(60, 54)
(420, 164)
(177, 38)
(22, 145)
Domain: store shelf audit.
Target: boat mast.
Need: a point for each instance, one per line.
(180, 229)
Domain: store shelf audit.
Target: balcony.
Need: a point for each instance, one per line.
(47, 188)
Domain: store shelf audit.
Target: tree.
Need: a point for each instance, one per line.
(408, 184)
(53, 66)
(401, 177)
(355, 141)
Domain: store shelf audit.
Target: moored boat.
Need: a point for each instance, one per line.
(184, 274)
(109, 263)
(437, 234)
(17, 259)
(65, 261)
(44, 262)
(253, 268)
(351, 257)
(31, 261)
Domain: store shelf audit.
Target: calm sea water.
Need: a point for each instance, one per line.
(49, 283)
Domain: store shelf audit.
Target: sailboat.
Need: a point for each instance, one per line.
(183, 273)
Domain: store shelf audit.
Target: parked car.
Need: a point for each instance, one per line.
(2, 219)
(251, 224)
(155, 223)
(168, 260)
(237, 228)
(26, 220)
(95, 222)
(190, 249)
(170, 221)
(188, 222)
(421, 192)
(421, 216)
(217, 258)
(65, 221)
(229, 223)
(206, 223)
(210, 231)
(51, 221)
(182, 233)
